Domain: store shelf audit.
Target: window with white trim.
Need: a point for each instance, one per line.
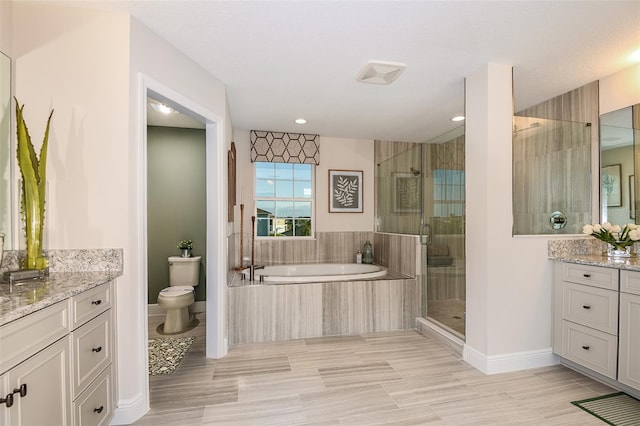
(284, 199)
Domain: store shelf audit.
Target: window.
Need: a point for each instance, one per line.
(284, 199)
(448, 193)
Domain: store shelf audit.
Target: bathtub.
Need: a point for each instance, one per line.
(317, 272)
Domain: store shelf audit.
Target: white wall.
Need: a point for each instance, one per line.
(620, 90)
(86, 64)
(508, 279)
(5, 27)
(335, 153)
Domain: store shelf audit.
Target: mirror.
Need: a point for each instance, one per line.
(5, 150)
(619, 133)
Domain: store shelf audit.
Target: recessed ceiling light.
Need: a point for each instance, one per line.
(300, 121)
(380, 72)
(161, 108)
(458, 118)
(635, 56)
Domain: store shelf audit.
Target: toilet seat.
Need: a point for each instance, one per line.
(176, 291)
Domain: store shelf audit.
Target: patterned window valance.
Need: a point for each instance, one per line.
(280, 147)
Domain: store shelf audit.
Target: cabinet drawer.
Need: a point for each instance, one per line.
(591, 348)
(89, 304)
(590, 306)
(630, 282)
(95, 405)
(25, 336)
(92, 351)
(590, 275)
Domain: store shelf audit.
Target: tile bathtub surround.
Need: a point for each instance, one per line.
(81, 260)
(397, 252)
(268, 313)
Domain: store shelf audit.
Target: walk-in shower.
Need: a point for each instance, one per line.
(420, 191)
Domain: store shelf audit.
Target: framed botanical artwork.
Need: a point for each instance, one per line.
(632, 197)
(406, 190)
(345, 191)
(610, 186)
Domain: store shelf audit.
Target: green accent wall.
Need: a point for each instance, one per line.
(176, 201)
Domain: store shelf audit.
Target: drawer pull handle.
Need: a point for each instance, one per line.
(586, 275)
(96, 302)
(8, 400)
(586, 306)
(22, 390)
(99, 409)
(586, 348)
(96, 350)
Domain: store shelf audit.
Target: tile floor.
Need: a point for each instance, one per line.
(393, 378)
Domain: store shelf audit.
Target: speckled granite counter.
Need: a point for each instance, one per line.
(72, 272)
(589, 251)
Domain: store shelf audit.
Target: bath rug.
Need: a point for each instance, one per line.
(166, 353)
(617, 409)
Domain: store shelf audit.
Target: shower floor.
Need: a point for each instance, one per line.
(448, 312)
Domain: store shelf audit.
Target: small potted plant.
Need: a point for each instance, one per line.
(186, 246)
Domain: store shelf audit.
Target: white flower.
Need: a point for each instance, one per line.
(615, 229)
(607, 226)
(631, 226)
(587, 229)
(597, 227)
(634, 235)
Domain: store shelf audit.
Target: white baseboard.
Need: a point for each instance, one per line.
(128, 411)
(505, 363)
(197, 308)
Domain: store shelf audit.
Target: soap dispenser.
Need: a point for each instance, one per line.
(367, 252)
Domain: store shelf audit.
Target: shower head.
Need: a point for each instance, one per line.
(415, 172)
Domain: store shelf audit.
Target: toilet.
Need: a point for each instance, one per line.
(184, 273)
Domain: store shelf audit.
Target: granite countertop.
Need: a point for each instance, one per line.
(589, 251)
(20, 299)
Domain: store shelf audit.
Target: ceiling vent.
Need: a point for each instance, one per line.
(380, 72)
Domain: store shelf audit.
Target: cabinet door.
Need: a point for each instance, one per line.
(629, 340)
(47, 398)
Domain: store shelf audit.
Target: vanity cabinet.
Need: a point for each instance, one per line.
(57, 363)
(596, 324)
(629, 358)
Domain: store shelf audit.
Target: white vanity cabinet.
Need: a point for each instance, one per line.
(596, 322)
(56, 364)
(629, 357)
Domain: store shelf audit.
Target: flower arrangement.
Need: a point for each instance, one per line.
(619, 238)
(185, 245)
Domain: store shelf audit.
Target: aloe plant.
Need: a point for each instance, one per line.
(32, 200)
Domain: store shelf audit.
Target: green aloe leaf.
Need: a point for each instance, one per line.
(33, 189)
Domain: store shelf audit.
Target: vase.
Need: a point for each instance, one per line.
(613, 251)
(186, 253)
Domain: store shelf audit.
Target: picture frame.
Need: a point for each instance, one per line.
(632, 197)
(406, 190)
(345, 191)
(610, 190)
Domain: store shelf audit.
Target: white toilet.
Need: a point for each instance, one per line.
(184, 273)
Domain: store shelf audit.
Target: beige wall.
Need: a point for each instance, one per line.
(620, 90)
(335, 153)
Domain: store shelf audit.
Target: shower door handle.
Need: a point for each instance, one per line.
(425, 234)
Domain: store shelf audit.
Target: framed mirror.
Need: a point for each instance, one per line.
(619, 136)
(6, 153)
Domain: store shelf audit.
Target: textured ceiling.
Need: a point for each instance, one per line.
(286, 59)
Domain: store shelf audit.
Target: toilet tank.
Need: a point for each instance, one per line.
(184, 270)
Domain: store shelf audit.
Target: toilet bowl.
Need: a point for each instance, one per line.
(176, 299)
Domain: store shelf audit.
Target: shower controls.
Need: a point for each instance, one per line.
(558, 220)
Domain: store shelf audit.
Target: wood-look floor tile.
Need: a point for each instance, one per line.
(226, 368)
(416, 415)
(345, 402)
(277, 411)
(335, 342)
(358, 374)
(171, 417)
(193, 395)
(321, 359)
(278, 385)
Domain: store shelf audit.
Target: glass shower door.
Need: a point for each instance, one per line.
(443, 232)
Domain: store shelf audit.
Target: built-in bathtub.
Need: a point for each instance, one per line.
(311, 305)
(316, 273)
